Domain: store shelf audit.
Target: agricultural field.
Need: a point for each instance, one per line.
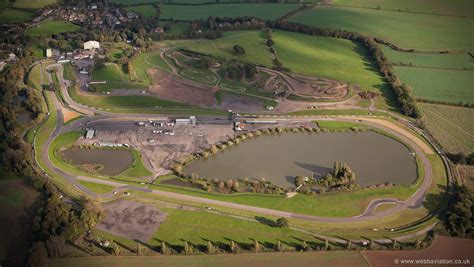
(451, 8)
(452, 126)
(439, 32)
(190, 13)
(444, 247)
(10, 15)
(36, 4)
(452, 86)
(429, 60)
(176, 28)
(50, 28)
(16, 199)
(334, 258)
(466, 173)
(147, 11)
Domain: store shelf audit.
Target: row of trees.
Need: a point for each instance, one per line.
(403, 92)
(16, 99)
(234, 247)
(460, 215)
(462, 158)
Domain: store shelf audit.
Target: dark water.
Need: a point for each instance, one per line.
(278, 158)
(114, 161)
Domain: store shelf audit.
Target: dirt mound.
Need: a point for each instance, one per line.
(132, 220)
(167, 86)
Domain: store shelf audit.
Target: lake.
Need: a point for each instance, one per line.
(375, 158)
(113, 161)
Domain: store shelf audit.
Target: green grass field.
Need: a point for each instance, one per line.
(327, 57)
(439, 32)
(138, 104)
(176, 28)
(197, 227)
(51, 27)
(35, 4)
(435, 60)
(451, 86)
(303, 54)
(34, 77)
(452, 126)
(333, 258)
(145, 61)
(337, 125)
(147, 11)
(111, 72)
(252, 41)
(116, 79)
(189, 13)
(97, 188)
(442, 7)
(137, 169)
(10, 15)
(349, 204)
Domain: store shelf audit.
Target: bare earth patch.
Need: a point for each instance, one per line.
(168, 87)
(132, 220)
(241, 103)
(69, 114)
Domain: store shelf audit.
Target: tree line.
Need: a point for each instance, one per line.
(403, 92)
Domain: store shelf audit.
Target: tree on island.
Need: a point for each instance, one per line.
(343, 172)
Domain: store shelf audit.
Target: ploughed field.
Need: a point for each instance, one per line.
(279, 158)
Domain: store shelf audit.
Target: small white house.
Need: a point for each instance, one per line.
(49, 52)
(90, 45)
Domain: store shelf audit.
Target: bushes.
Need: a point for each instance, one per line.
(460, 217)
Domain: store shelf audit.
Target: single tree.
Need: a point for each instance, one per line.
(282, 222)
(239, 50)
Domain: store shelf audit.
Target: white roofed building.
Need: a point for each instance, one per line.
(90, 45)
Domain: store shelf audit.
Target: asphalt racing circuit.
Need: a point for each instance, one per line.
(92, 115)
